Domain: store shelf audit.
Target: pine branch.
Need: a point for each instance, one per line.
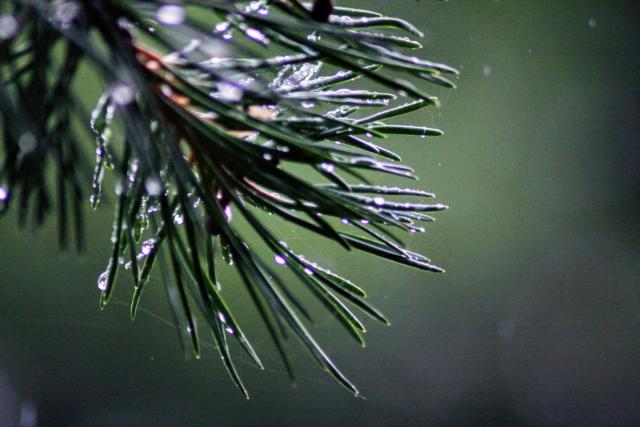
(208, 106)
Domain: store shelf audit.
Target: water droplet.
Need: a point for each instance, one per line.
(122, 93)
(153, 186)
(327, 167)
(486, 70)
(208, 115)
(229, 91)
(27, 143)
(308, 271)
(593, 23)
(178, 218)
(222, 26)
(307, 104)
(222, 317)
(364, 221)
(102, 280)
(229, 330)
(280, 260)
(119, 188)
(171, 14)
(256, 35)
(379, 201)
(344, 221)
(66, 12)
(4, 193)
(268, 157)
(228, 213)
(8, 26)
(148, 246)
(125, 24)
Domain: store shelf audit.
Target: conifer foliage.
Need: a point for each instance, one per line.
(215, 111)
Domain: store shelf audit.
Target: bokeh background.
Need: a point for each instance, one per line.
(536, 322)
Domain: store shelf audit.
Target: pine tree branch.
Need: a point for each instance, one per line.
(207, 106)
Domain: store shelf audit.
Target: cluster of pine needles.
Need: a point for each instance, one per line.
(212, 109)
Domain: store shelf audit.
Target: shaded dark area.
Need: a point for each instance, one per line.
(536, 322)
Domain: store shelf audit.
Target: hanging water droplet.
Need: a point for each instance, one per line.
(308, 271)
(178, 218)
(364, 221)
(227, 35)
(8, 26)
(27, 143)
(369, 135)
(171, 14)
(102, 280)
(122, 93)
(307, 104)
(268, 157)
(153, 186)
(229, 330)
(280, 260)
(379, 201)
(344, 221)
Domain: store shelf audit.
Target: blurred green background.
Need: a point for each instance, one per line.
(536, 322)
